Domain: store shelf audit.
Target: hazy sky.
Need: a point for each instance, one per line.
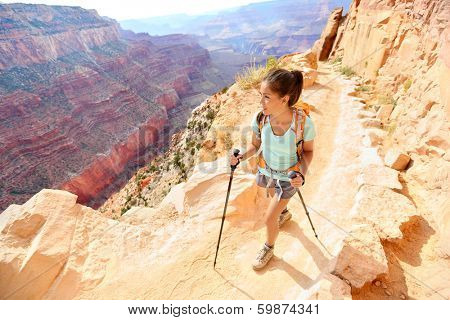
(132, 9)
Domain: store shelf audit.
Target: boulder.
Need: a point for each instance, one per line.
(384, 209)
(53, 247)
(379, 176)
(35, 244)
(361, 258)
(210, 180)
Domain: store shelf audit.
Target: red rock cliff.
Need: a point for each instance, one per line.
(81, 100)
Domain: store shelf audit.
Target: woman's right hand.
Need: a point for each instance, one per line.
(234, 160)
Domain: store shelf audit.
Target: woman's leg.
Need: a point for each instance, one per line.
(273, 212)
(271, 192)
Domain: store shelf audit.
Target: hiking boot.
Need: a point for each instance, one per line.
(264, 255)
(284, 216)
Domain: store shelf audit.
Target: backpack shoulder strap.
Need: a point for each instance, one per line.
(261, 119)
(299, 125)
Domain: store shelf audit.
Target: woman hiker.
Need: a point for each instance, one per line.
(284, 132)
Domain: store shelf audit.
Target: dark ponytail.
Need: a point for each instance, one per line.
(285, 82)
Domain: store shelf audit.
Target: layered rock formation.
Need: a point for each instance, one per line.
(379, 239)
(266, 28)
(322, 47)
(83, 102)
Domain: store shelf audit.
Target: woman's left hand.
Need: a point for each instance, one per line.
(297, 182)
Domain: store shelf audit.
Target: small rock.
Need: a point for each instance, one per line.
(367, 123)
(388, 293)
(396, 159)
(403, 297)
(378, 283)
(209, 144)
(384, 112)
(384, 286)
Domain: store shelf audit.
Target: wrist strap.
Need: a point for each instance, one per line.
(303, 177)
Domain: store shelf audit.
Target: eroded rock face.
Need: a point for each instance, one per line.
(323, 46)
(82, 101)
(410, 65)
(305, 62)
(54, 247)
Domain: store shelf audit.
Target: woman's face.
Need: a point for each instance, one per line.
(271, 102)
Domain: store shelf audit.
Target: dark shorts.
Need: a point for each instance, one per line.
(283, 188)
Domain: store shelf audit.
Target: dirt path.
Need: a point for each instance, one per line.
(182, 267)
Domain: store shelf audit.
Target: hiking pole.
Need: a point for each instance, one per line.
(292, 175)
(233, 167)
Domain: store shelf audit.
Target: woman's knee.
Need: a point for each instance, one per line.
(271, 216)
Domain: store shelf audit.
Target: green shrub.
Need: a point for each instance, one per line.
(177, 160)
(347, 71)
(250, 77)
(271, 63)
(363, 88)
(390, 128)
(386, 99)
(210, 115)
(407, 84)
(337, 60)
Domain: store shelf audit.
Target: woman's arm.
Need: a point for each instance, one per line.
(252, 148)
(308, 152)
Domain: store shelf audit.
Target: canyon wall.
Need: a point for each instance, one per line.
(402, 48)
(82, 101)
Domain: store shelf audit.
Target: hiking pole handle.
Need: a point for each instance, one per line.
(293, 175)
(235, 153)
